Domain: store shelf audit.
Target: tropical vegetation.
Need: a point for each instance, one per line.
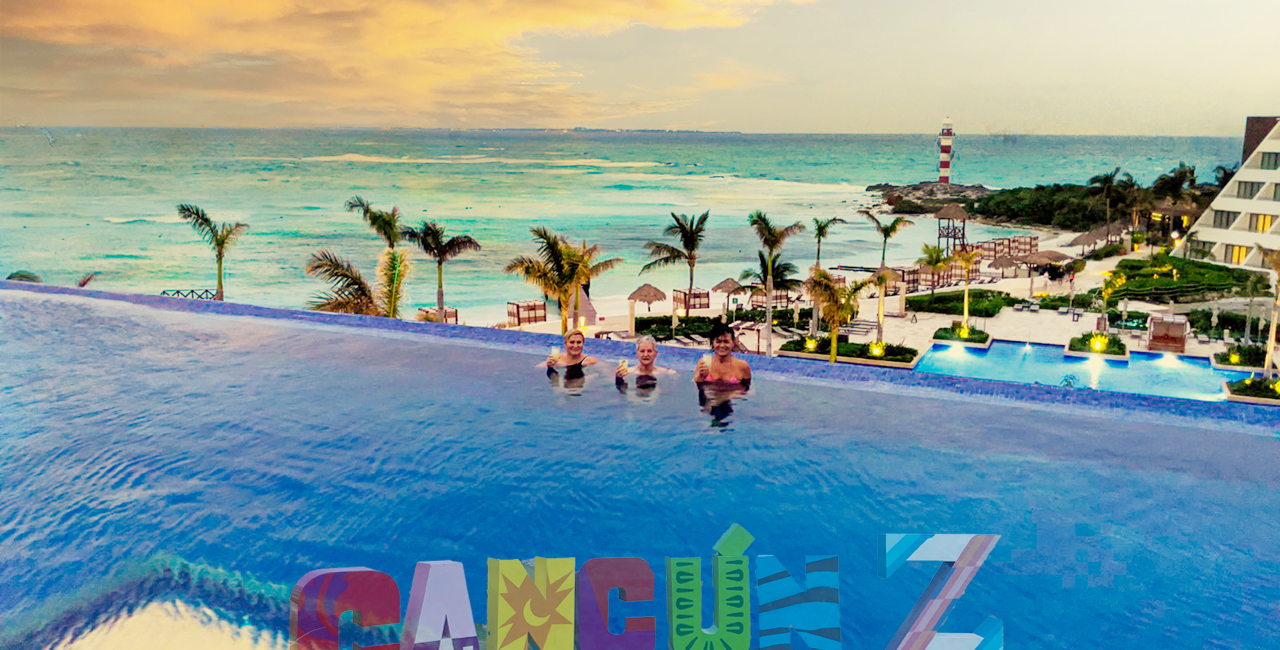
(219, 236)
(837, 304)
(887, 351)
(1098, 343)
(961, 333)
(1256, 387)
(882, 277)
(1248, 356)
(772, 238)
(431, 237)
(689, 233)
(350, 293)
(561, 270)
(983, 303)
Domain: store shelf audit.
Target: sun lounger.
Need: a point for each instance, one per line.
(1135, 334)
(700, 340)
(684, 340)
(1018, 307)
(1035, 308)
(1202, 337)
(1064, 310)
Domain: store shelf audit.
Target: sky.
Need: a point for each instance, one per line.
(1086, 67)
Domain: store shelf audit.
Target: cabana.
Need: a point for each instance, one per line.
(1167, 333)
(433, 314)
(526, 312)
(699, 299)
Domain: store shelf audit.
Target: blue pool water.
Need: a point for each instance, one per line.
(1145, 373)
(209, 462)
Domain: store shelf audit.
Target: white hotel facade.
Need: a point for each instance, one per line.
(1246, 212)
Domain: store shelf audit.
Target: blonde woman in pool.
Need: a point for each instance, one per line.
(573, 360)
(646, 372)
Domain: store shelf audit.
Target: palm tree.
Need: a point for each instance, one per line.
(351, 294)
(936, 260)
(1177, 184)
(1130, 193)
(771, 267)
(968, 260)
(431, 237)
(1222, 175)
(886, 231)
(1253, 287)
(1104, 187)
(549, 272)
(1272, 258)
(582, 268)
(821, 229)
(690, 233)
(772, 238)
(839, 303)
(386, 224)
(219, 236)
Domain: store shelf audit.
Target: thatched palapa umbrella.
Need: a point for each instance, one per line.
(1039, 258)
(648, 294)
(1003, 262)
(727, 286)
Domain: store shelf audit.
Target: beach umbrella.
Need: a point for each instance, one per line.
(1036, 259)
(727, 286)
(1003, 262)
(648, 294)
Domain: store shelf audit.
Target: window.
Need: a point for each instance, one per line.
(1275, 194)
(1261, 222)
(1247, 190)
(1271, 160)
(1224, 219)
(1201, 249)
(1236, 254)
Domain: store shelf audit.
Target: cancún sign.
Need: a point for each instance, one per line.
(561, 606)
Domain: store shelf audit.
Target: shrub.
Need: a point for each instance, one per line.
(982, 303)
(1110, 250)
(899, 353)
(1138, 319)
(953, 334)
(1079, 301)
(1164, 278)
(907, 206)
(1244, 355)
(1252, 387)
(1084, 343)
(1202, 321)
(1063, 206)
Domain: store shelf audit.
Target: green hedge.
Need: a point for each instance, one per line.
(1081, 344)
(1252, 387)
(1080, 301)
(1195, 281)
(1063, 206)
(953, 334)
(1110, 250)
(1249, 355)
(659, 327)
(900, 353)
(784, 317)
(982, 303)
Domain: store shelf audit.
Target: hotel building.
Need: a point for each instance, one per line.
(1247, 211)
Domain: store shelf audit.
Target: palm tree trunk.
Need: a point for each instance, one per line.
(880, 314)
(564, 315)
(688, 297)
(1271, 336)
(966, 298)
(835, 337)
(768, 313)
(817, 308)
(439, 291)
(218, 295)
(577, 291)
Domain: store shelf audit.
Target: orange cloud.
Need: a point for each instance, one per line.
(357, 62)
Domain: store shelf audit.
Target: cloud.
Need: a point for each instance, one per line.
(351, 62)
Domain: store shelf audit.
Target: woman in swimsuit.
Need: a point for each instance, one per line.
(573, 361)
(721, 378)
(723, 368)
(645, 372)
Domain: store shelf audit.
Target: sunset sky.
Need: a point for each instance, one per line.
(1152, 67)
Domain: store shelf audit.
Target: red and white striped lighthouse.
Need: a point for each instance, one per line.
(944, 152)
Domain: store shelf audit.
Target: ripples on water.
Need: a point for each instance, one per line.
(184, 471)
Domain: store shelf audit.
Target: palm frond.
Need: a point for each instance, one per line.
(200, 221)
(349, 292)
(226, 236)
(393, 271)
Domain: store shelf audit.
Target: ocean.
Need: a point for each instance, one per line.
(104, 199)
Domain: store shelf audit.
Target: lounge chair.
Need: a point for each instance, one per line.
(1064, 310)
(700, 340)
(1135, 334)
(1035, 308)
(1202, 337)
(1019, 307)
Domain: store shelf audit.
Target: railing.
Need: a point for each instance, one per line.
(196, 294)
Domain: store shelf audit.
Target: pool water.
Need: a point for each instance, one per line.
(1145, 373)
(199, 465)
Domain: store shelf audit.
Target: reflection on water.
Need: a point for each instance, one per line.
(175, 625)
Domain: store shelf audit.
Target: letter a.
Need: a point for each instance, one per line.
(439, 608)
(521, 607)
(961, 557)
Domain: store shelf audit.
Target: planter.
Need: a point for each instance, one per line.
(1219, 366)
(908, 365)
(1068, 352)
(968, 344)
(1245, 399)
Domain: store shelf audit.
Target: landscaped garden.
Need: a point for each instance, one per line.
(961, 334)
(982, 303)
(1257, 388)
(1098, 343)
(888, 352)
(1247, 356)
(1164, 279)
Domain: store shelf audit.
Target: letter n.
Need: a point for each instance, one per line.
(321, 597)
(961, 557)
(813, 610)
(541, 607)
(439, 608)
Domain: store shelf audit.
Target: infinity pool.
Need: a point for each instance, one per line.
(165, 478)
(1145, 373)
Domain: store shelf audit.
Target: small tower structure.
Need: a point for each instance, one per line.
(944, 152)
(952, 219)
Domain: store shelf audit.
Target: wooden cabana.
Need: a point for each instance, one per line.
(1168, 333)
(526, 312)
(699, 299)
(433, 314)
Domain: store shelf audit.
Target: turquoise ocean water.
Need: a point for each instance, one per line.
(103, 199)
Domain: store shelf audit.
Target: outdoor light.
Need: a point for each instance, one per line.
(810, 344)
(964, 332)
(877, 349)
(1235, 358)
(1098, 342)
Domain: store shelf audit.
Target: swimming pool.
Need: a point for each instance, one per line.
(205, 462)
(1144, 373)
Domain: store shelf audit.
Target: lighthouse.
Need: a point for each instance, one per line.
(944, 152)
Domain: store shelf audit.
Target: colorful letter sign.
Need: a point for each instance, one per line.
(961, 557)
(541, 607)
(813, 611)
(732, 629)
(321, 597)
(439, 608)
(633, 579)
